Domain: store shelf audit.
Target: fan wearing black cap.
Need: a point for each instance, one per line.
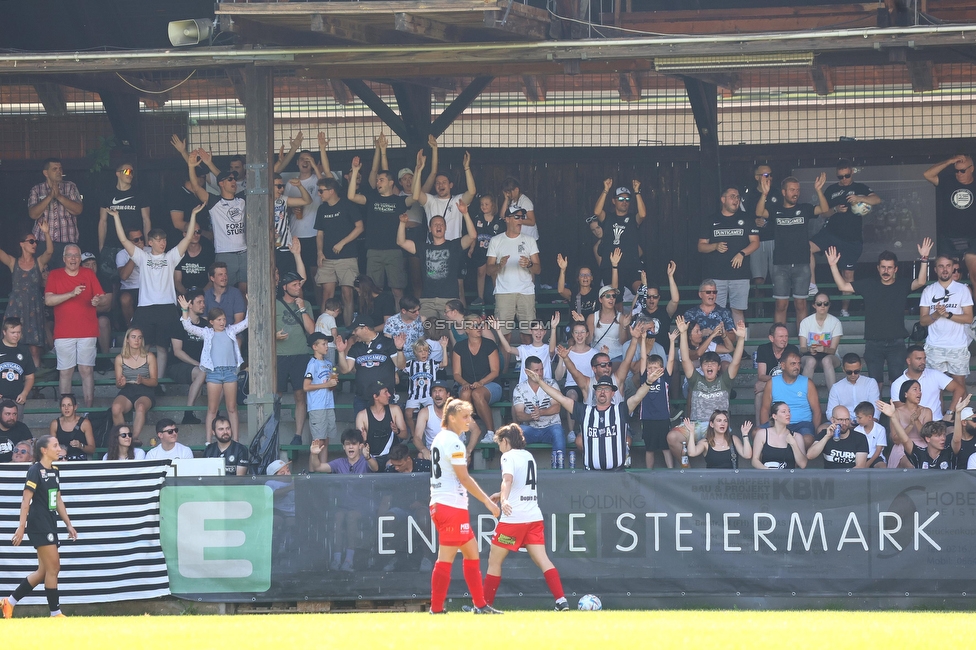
(372, 356)
(603, 439)
(292, 327)
(226, 217)
(620, 231)
(382, 423)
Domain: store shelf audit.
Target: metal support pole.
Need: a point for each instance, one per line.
(259, 136)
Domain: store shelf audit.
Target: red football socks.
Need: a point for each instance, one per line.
(440, 580)
(554, 583)
(491, 587)
(472, 576)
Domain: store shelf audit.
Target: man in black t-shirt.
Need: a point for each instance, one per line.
(187, 348)
(442, 260)
(884, 309)
(235, 454)
(955, 209)
(761, 261)
(11, 430)
(847, 201)
(620, 230)
(840, 445)
(725, 240)
(373, 357)
(16, 364)
(132, 208)
(338, 225)
(791, 267)
(385, 263)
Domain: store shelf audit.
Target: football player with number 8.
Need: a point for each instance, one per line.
(449, 487)
(521, 521)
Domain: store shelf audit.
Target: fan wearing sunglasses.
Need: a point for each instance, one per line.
(26, 295)
(620, 231)
(820, 334)
(955, 209)
(848, 202)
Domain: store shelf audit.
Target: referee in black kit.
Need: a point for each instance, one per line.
(42, 499)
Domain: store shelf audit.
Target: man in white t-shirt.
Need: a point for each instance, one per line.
(157, 311)
(443, 203)
(946, 308)
(932, 382)
(227, 218)
(129, 276)
(514, 197)
(513, 260)
(168, 433)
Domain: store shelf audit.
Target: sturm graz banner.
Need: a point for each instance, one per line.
(653, 534)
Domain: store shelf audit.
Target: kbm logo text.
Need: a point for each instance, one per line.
(217, 538)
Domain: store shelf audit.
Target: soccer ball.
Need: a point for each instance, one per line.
(860, 208)
(589, 603)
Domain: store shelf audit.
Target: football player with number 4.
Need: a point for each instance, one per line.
(521, 521)
(449, 487)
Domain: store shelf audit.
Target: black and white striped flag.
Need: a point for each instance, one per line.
(114, 506)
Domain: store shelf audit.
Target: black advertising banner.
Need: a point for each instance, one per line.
(654, 534)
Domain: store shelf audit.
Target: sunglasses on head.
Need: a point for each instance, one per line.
(843, 176)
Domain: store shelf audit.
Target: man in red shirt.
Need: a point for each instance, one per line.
(75, 295)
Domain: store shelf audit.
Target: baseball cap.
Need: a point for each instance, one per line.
(515, 209)
(403, 172)
(605, 289)
(967, 413)
(378, 388)
(620, 191)
(223, 176)
(315, 337)
(443, 383)
(289, 277)
(276, 466)
(87, 256)
(363, 321)
(606, 381)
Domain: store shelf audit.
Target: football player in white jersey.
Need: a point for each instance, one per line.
(521, 523)
(449, 487)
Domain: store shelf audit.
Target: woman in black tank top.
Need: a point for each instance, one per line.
(776, 446)
(73, 431)
(722, 450)
(381, 433)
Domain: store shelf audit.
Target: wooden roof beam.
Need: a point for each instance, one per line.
(822, 79)
(922, 75)
(630, 87)
(252, 31)
(52, 97)
(236, 78)
(340, 92)
(343, 28)
(426, 28)
(534, 88)
(518, 20)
